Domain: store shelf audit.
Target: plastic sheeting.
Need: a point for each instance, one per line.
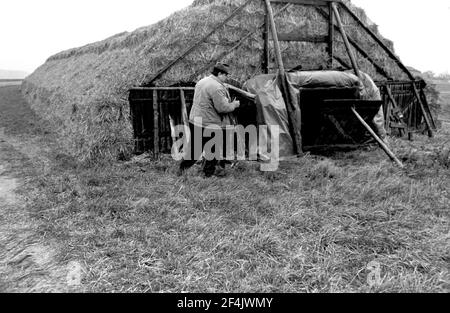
(271, 108)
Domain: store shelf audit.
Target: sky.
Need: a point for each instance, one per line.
(31, 31)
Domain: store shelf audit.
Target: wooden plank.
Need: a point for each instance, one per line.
(379, 41)
(424, 112)
(410, 122)
(237, 45)
(185, 117)
(244, 93)
(305, 2)
(294, 123)
(427, 108)
(363, 52)
(360, 49)
(197, 44)
(266, 48)
(184, 114)
(302, 38)
(346, 42)
(344, 64)
(380, 142)
(162, 88)
(155, 123)
(330, 36)
(387, 116)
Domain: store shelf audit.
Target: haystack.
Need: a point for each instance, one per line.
(83, 91)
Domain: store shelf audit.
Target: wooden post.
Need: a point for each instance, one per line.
(243, 93)
(343, 63)
(294, 122)
(380, 142)
(410, 121)
(276, 43)
(155, 124)
(184, 114)
(185, 118)
(346, 42)
(422, 108)
(427, 107)
(266, 49)
(330, 36)
(353, 42)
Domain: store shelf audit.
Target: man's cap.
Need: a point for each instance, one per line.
(223, 67)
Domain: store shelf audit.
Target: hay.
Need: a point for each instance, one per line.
(83, 91)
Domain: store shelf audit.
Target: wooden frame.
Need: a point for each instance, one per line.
(392, 101)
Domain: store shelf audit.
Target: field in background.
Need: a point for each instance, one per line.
(444, 88)
(10, 82)
(314, 226)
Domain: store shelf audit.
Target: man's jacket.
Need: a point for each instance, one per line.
(211, 103)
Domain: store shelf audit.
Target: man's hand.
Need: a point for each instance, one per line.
(236, 103)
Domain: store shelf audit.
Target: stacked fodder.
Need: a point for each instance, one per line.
(84, 91)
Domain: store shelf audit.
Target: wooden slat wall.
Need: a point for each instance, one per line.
(403, 93)
(143, 118)
(169, 100)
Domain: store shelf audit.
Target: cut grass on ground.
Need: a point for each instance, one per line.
(313, 226)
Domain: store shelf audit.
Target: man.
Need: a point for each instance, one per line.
(212, 107)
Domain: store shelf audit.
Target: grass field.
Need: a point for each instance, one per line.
(313, 226)
(444, 89)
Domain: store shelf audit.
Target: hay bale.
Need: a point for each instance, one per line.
(83, 91)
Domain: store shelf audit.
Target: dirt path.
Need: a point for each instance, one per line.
(28, 262)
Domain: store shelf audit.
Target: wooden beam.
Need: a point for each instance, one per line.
(306, 2)
(380, 142)
(155, 124)
(276, 44)
(345, 64)
(353, 42)
(266, 48)
(197, 44)
(379, 41)
(346, 42)
(424, 112)
(304, 38)
(292, 111)
(237, 45)
(184, 114)
(330, 36)
(162, 88)
(244, 93)
(427, 107)
(378, 68)
(185, 119)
